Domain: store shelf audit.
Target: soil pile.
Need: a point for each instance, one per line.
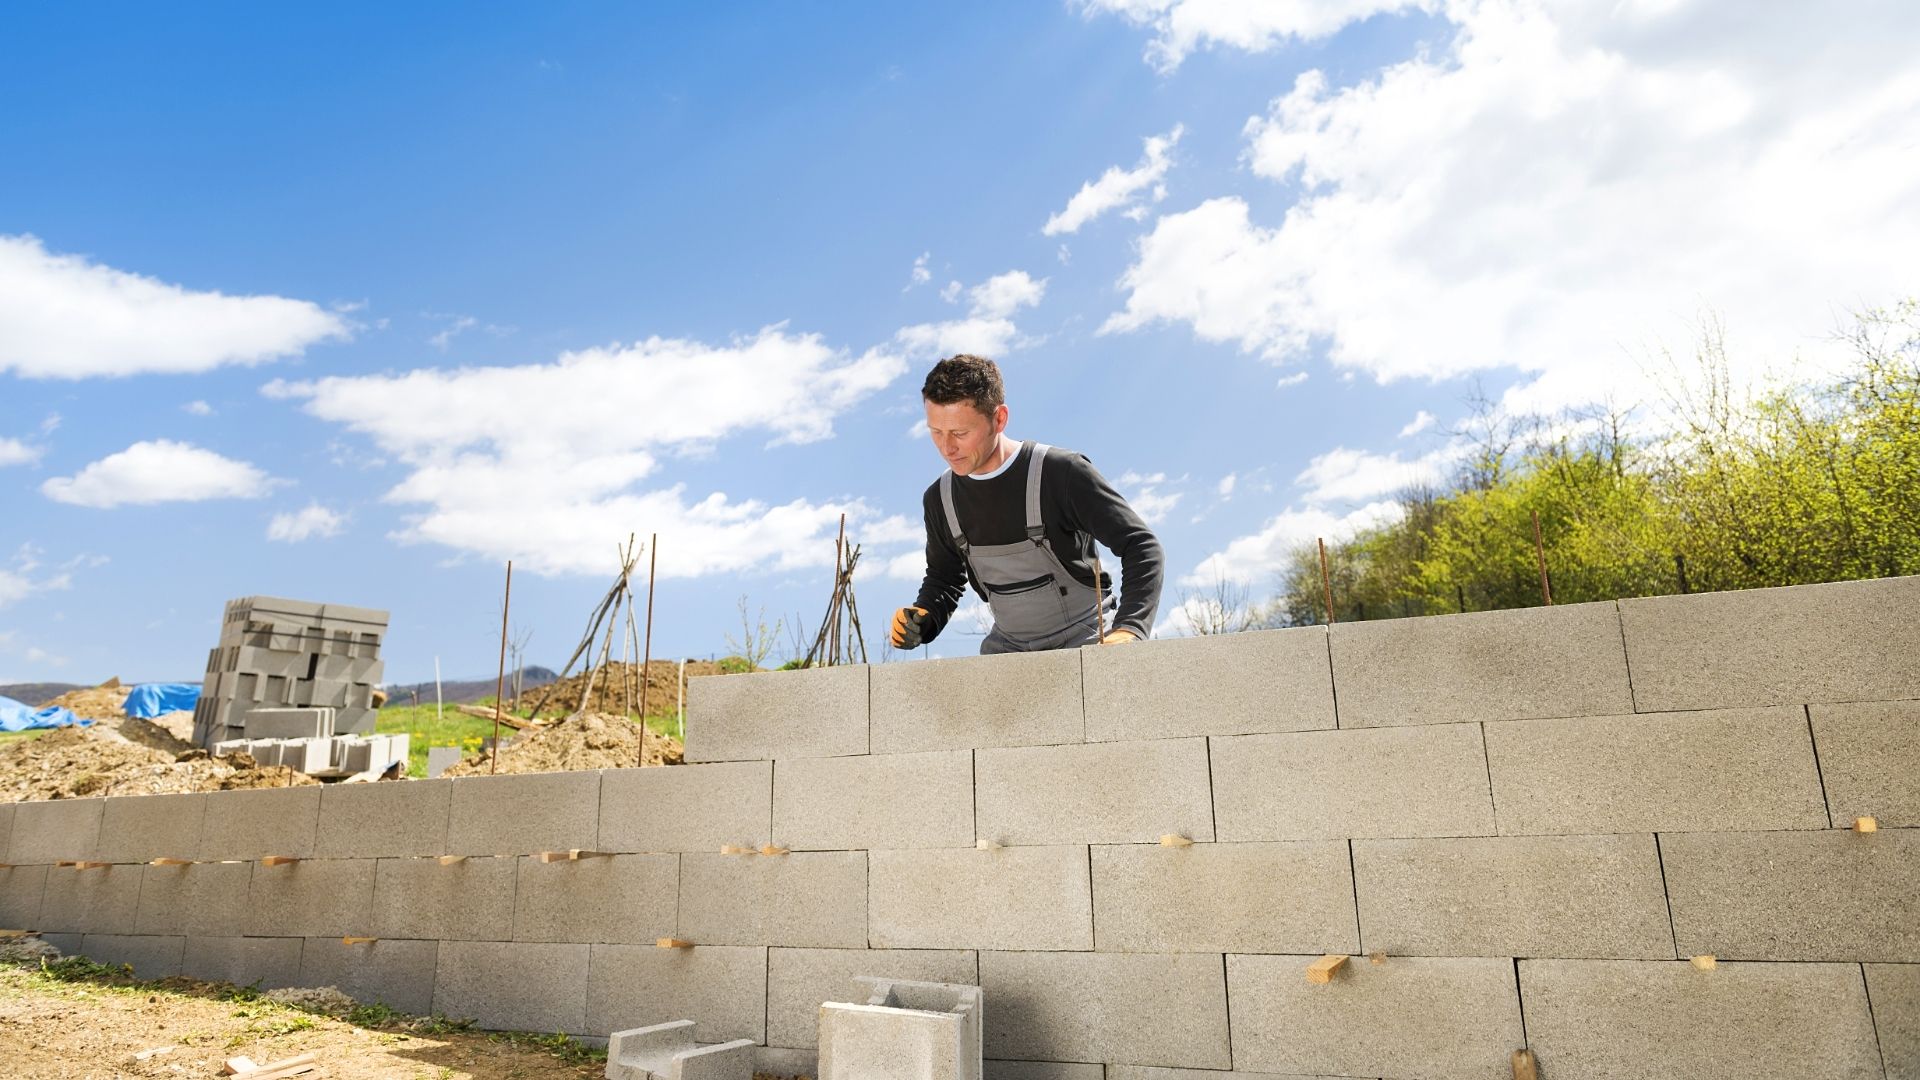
(587, 741)
(104, 702)
(74, 763)
(617, 684)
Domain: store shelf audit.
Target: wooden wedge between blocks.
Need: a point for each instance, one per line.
(449, 860)
(1866, 824)
(1524, 1067)
(358, 940)
(1321, 970)
(773, 849)
(672, 943)
(735, 849)
(572, 855)
(1175, 840)
(279, 860)
(1705, 961)
(169, 862)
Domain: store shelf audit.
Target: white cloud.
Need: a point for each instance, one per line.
(197, 408)
(51, 424)
(920, 275)
(1343, 475)
(1255, 559)
(1144, 494)
(988, 330)
(18, 580)
(1119, 187)
(65, 317)
(156, 472)
(1421, 421)
(950, 292)
(1182, 26)
(1561, 188)
(1227, 482)
(305, 524)
(1294, 379)
(15, 452)
(456, 325)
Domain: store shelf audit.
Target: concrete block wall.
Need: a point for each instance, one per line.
(1519, 825)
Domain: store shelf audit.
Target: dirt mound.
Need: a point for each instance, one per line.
(95, 703)
(73, 763)
(617, 684)
(588, 741)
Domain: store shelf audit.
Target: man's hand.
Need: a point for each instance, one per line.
(1119, 636)
(906, 627)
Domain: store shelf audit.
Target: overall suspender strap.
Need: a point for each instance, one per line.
(1036, 531)
(953, 519)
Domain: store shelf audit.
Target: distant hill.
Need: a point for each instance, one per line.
(37, 694)
(465, 691)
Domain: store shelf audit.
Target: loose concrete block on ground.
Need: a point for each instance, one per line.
(513, 985)
(150, 957)
(721, 988)
(870, 1042)
(55, 830)
(311, 898)
(266, 962)
(1844, 641)
(96, 901)
(814, 712)
(369, 821)
(689, 808)
(1131, 1008)
(1258, 897)
(523, 815)
(1105, 793)
(396, 973)
(136, 829)
(255, 824)
(1315, 785)
(874, 801)
(1725, 769)
(1893, 990)
(798, 980)
(1411, 1016)
(1668, 1018)
(941, 704)
(1012, 898)
(1223, 684)
(1564, 896)
(1869, 758)
(21, 888)
(783, 1061)
(1832, 895)
(202, 900)
(629, 899)
(814, 899)
(469, 900)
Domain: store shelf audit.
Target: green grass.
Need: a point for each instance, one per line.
(457, 729)
(20, 736)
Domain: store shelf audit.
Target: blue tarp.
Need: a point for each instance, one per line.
(15, 716)
(149, 700)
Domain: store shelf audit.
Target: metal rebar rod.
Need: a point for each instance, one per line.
(500, 681)
(646, 664)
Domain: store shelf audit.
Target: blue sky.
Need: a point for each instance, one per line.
(354, 304)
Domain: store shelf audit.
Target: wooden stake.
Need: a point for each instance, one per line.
(1540, 553)
(279, 860)
(1524, 1067)
(170, 862)
(500, 681)
(646, 665)
(1326, 579)
(1175, 840)
(1705, 962)
(1865, 825)
(1321, 970)
(449, 860)
(672, 943)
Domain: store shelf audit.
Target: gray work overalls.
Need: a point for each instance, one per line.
(1037, 604)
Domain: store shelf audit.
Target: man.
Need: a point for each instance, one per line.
(1019, 521)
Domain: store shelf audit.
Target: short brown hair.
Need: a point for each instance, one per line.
(966, 378)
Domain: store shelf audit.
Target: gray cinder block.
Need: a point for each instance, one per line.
(303, 723)
(255, 824)
(96, 901)
(812, 899)
(626, 898)
(1894, 991)
(1147, 1072)
(1729, 769)
(1012, 898)
(387, 820)
(785, 1061)
(1845, 641)
(1490, 665)
(1063, 1070)
(1101, 793)
(939, 704)
(873, 1042)
(137, 829)
(722, 988)
(441, 758)
(798, 980)
(879, 800)
(1667, 1018)
(524, 815)
(818, 712)
(396, 973)
(1316, 785)
(1271, 897)
(689, 808)
(68, 944)
(21, 888)
(1565, 896)
(1831, 895)
(1410, 1016)
(6, 830)
(1131, 1008)
(668, 1052)
(1222, 684)
(419, 898)
(513, 985)
(341, 614)
(149, 957)
(266, 962)
(311, 898)
(1869, 757)
(202, 900)
(56, 830)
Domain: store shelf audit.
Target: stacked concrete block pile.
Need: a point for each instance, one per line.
(1535, 820)
(276, 654)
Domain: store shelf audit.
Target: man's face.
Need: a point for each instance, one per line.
(965, 437)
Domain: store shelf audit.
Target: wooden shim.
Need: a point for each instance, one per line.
(279, 860)
(1705, 961)
(274, 1070)
(1865, 825)
(1321, 970)
(672, 943)
(358, 940)
(237, 1065)
(1524, 1067)
(735, 849)
(572, 855)
(10, 934)
(1377, 956)
(85, 865)
(987, 845)
(449, 860)
(1175, 840)
(771, 849)
(169, 862)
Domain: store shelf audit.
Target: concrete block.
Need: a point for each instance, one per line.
(1223, 684)
(1295, 898)
(1563, 896)
(1411, 1016)
(518, 986)
(1869, 756)
(668, 1052)
(248, 605)
(6, 830)
(396, 973)
(55, 830)
(1144, 1072)
(266, 962)
(940, 704)
(963, 1000)
(202, 900)
(255, 824)
(471, 900)
(68, 944)
(1844, 641)
(818, 712)
(312, 898)
(815, 899)
(306, 723)
(784, 1062)
(1013, 898)
(1729, 769)
(1116, 793)
(100, 901)
(149, 957)
(1894, 992)
(876, 801)
(524, 815)
(389, 820)
(721, 988)
(873, 1042)
(137, 829)
(632, 899)
(21, 888)
(441, 758)
(336, 614)
(1318, 785)
(689, 808)
(355, 721)
(1796, 896)
(798, 980)
(1124, 1008)
(1666, 1018)
(1048, 1070)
